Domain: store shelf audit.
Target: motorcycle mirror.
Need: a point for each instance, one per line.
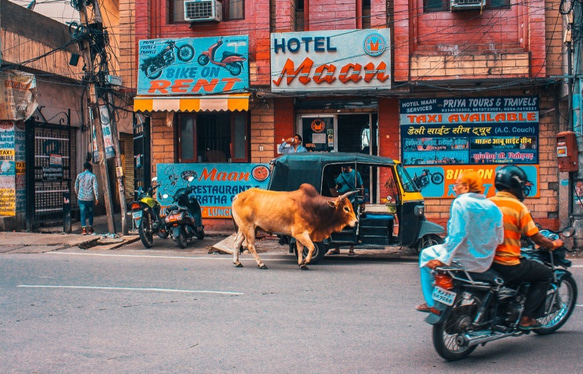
(568, 232)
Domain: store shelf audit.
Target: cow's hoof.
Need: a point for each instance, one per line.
(262, 266)
(239, 265)
(304, 267)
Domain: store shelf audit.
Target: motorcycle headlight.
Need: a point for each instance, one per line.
(419, 210)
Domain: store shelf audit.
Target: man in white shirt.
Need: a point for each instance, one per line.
(474, 230)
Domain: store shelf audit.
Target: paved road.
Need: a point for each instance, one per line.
(158, 310)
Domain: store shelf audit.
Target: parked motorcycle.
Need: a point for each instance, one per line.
(476, 308)
(231, 61)
(148, 216)
(184, 217)
(153, 66)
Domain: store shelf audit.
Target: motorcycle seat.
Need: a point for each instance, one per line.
(491, 276)
(228, 54)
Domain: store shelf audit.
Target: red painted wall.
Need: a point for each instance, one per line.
(519, 28)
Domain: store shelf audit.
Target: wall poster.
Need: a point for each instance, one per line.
(215, 184)
(472, 131)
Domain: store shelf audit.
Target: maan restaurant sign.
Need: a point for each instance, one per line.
(339, 60)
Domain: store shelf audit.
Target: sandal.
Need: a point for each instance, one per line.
(334, 252)
(424, 308)
(351, 253)
(534, 326)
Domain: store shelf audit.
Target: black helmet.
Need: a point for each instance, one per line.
(513, 179)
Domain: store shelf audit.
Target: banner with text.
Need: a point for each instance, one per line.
(331, 60)
(438, 181)
(193, 66)
(215, 184)
(502, 130)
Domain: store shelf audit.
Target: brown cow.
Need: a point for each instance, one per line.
(303, 214)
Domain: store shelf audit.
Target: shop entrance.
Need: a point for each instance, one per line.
(340, 132)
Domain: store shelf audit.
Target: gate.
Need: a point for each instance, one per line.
(50, 160)
(142, 161)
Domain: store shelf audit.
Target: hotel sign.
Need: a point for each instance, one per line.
(339, 60)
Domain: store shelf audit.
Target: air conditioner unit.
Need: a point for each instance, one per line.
(203, 11)
(457, 5)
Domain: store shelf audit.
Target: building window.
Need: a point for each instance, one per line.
(232, 10)
(443, 5)
(212, 137)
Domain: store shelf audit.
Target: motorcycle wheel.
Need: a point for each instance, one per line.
(446, 335)
(437, 178)
(181, 239)
(428, 241)
(163, 233)
(145, 231)
(152, 73)
(234, 69)
(185, 52)
(564, 300)
(203, 60)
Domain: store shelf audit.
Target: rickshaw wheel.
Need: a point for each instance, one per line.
(319, 251)
(428, 241)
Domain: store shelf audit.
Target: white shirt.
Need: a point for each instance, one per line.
(474, 230)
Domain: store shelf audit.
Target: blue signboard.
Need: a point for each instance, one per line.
(215, 184)
(193, 66)
(470, 130)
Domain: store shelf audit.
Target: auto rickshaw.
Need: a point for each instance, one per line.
(390, 208)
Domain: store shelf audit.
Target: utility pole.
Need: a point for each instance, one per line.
(94, 42)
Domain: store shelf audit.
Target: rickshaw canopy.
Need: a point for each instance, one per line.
(291, 170)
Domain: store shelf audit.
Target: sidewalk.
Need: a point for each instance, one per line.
(47, 239)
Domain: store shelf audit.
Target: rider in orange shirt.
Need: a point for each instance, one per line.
(513, 186)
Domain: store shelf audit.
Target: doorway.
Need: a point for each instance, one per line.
(340, 132)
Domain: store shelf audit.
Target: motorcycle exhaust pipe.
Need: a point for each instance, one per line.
(482, 337)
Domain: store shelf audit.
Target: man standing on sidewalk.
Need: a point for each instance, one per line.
(86, 189)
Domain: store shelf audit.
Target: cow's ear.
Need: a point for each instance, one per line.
(333, 203)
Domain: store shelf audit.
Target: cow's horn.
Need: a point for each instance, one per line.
(346, 195)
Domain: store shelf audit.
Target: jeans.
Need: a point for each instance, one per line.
(427, 278)
(540, 278)
(86, 210)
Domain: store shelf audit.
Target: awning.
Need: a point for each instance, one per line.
(192, 103)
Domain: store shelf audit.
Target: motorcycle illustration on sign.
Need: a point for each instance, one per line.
(155, 65)
(231, 61)
(423, 180)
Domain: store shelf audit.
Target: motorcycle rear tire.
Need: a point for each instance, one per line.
(556, 320)
(145, 231)
(234, 69)
(152, 73)
(182, 239)
(445, 334)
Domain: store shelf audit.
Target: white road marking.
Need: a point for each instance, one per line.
(130, 289)
(227, 257)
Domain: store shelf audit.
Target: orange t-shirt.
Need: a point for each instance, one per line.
(517, 222)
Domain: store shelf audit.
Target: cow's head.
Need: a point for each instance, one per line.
(344, 210)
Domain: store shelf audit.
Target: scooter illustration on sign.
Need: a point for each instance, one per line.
(231, 61)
